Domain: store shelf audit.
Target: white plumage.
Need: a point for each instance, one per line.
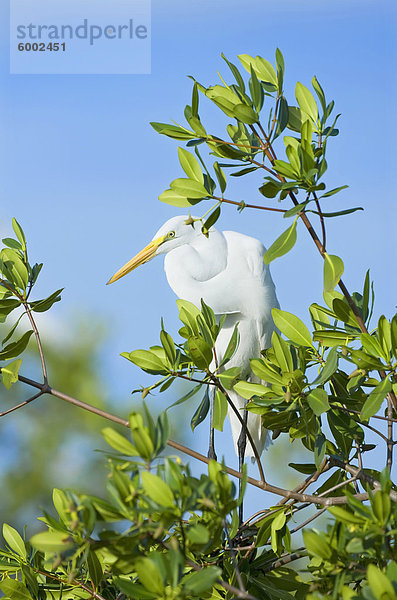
(227, 271)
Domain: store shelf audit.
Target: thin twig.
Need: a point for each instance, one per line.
(272, 157)
(224, 200)
(390, 443)
(285, 560)
(38, 341)
(357, 412)
(234, 560)
(21, 404)
(263, 485)
(321, 220)
(309, 520)
(242, 423)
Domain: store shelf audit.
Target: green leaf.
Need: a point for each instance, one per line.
(52, 541)
(295, 210)
(329, 338)
(384, 333)
(212, 219)
(201, 411)
(14, 540)
(142, 439)
(344, 312)
(220, 411)
(375, 399)
(149, 575)
(294, 118)
(305, 468)
(198, 534)
(316, 544)
(10, 372)
(283, 244)
(320, 93)
(329, 368)
(16, 348)
(247, 389)
(173, 131)
(169, 347)
(43, 305)
(200, 351)
(265, 371)
(13, 268)
(188, 314)
(341, 514)
(282, 352)
(232, 345)
(333, 270)
(338, 213)
(285, 169)
(306, 101)
(256, 90)
(118, 442)
(19, 233)
(270, 189)
(292, 327)
(171, 197)
(319, 449)
(393, 334)
(380, 585)
(190, 165)
(334, 191)
(190, 188)
(229, 377)
(199, 582)
(11, 243)
(94, 568)
(146, 360)
(318, 401)
(157, 489)
(245, 113)
(14, 589)
(220, 175)
(372, 346)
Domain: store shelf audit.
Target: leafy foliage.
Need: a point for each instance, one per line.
(164, 533)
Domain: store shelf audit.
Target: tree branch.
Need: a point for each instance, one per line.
(263, 485)
(21, 404)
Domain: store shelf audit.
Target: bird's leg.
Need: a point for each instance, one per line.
(211, 447)
(241, 445)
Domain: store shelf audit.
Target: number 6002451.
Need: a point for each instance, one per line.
(41, 47)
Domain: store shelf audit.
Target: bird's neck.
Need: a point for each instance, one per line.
(189, 265)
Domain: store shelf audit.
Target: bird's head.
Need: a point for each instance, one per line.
(175, 232)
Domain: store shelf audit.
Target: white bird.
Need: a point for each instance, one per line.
(227, 271)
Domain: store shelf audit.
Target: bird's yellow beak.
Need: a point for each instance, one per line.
(141, 258)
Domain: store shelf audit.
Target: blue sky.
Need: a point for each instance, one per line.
(81, 168)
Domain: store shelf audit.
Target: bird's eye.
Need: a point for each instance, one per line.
(171, 234)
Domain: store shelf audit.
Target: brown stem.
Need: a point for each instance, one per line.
(21, 404)
(357, 412)
(38, 340)
(263, 485)
(274, 118)
(286, 559)
(321, 220)
(309, 520)
(320, 248)
(390, 443)
(242, 423)
(234, 560)
(248, 205)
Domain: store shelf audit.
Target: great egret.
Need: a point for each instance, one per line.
(227, 271)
